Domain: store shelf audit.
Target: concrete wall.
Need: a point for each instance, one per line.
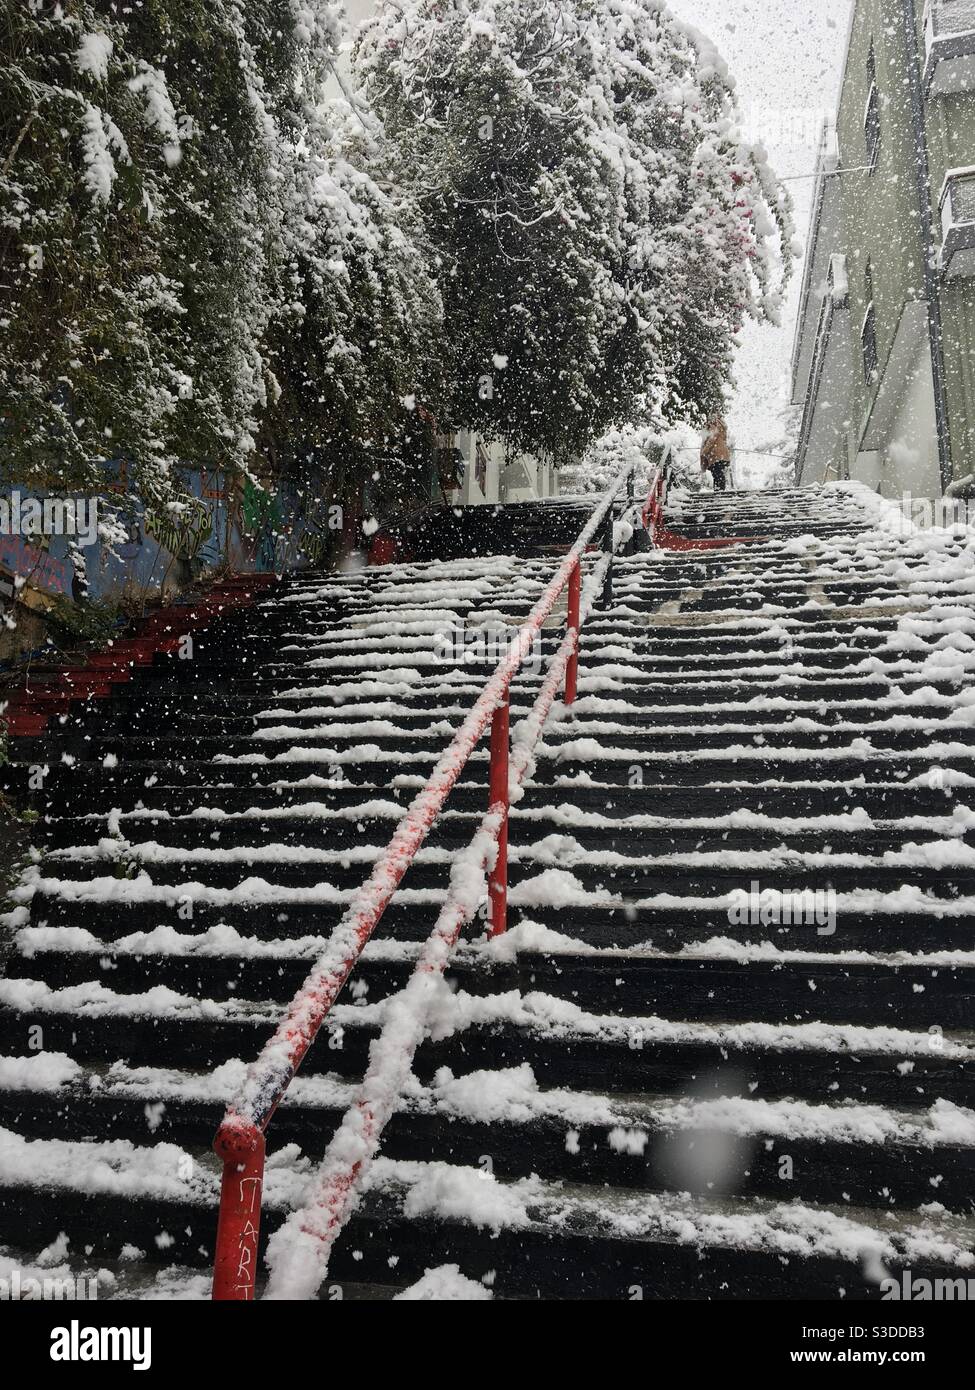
(880, 220)
(950, 126)
(867, 467)
(908, 462)
(519, 479)
(911, 463)
(882, 226)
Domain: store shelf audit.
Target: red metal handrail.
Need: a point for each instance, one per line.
(300, 1249)
(240, 1138)
(665, 539)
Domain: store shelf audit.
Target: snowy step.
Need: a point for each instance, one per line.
(902, 919)
(379, 739)
(931, 794)
(648, 685)
(524, 1238)
(772, 711)
(320, 827)
(376, 718)
(716, 979)
(562, 1043)
(744, 766)
(728, 1144)
(896, 734)
(946, 868)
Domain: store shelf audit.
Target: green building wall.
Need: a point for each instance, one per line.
(950, 123)
(881, 215)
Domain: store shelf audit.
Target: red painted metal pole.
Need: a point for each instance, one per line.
(498, 800)
(241, 1146)
(356, 1142)
(572, 623)
(664, 539)
(240, 1141)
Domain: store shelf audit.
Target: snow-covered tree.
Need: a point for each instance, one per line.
(231, 69)
(707, 226)
(88, 134)
(602, 227)
(200, 256)
(358, 337)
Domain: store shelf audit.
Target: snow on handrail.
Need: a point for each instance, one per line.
(298, 1252)
(240, 1138)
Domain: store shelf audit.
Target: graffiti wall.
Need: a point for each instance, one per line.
(136, 551)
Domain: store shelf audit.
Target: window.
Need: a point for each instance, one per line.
(958, 224)
(871, 116)
(450, 467)
(947, 17)
(868, 333)
(959, 197)
(481, 466)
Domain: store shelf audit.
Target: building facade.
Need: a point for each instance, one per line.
(884, 356)
(488, 473)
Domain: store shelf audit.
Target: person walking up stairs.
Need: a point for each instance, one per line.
(716, 452)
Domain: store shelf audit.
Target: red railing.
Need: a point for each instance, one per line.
(40, 695)
(299, 1251)
(240, 1139)
(664, 539)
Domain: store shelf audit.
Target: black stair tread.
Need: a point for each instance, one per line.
(719, 981)
(801, 797)
(569, 1240)
(638, 1142)
(328, 832)
(822, 1063)
(710, 672)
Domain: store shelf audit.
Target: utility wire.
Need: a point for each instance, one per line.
(753, 453)
(827, 173)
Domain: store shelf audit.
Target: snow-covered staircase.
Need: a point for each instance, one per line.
(644, 1089)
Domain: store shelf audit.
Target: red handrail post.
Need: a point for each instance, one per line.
(498, 796)
(572, 622)
(241, 1146)
(240, 1142)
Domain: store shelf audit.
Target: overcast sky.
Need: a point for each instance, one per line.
(786, 56)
